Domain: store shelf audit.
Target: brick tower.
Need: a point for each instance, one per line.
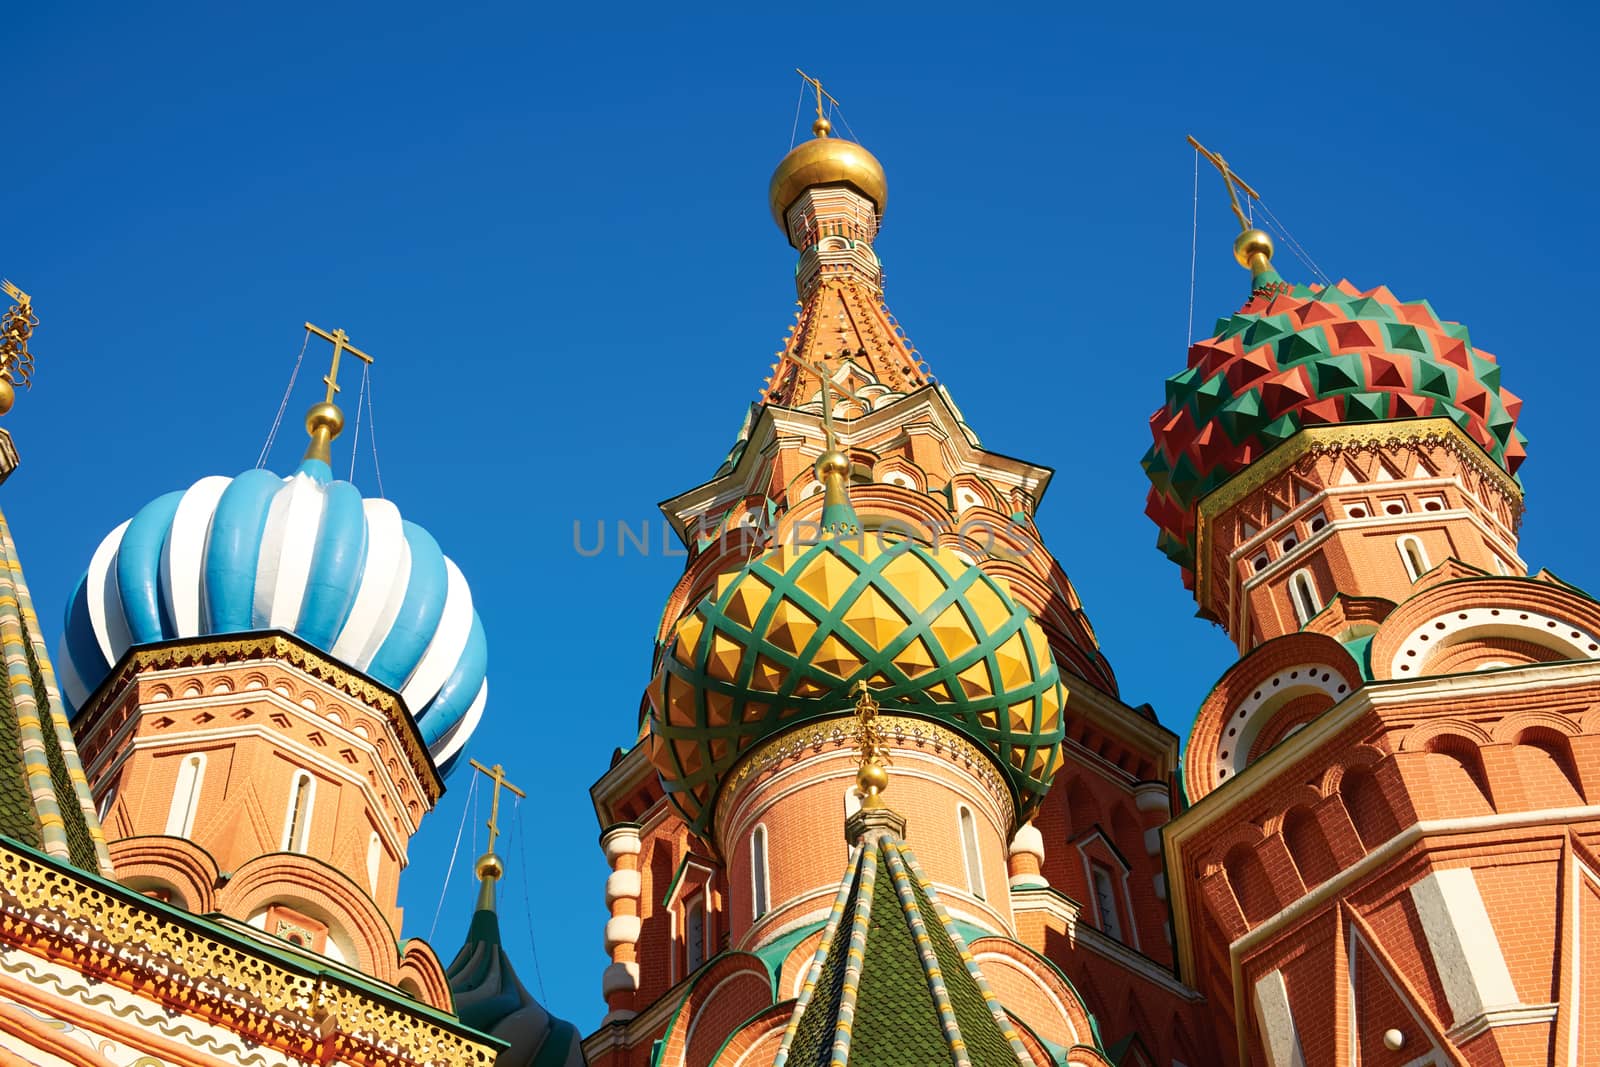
(860, 545)
(1389, 854)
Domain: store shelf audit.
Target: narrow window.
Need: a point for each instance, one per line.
(186, 796)
(969, 851)
(695, 932)
(297, 824)
(1412, 555)
(374, 856)
(1304, 594)
(105, 803)
(760, 889)
(1105, 900)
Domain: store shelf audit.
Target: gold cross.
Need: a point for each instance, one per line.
(827, 398)
(498, 774)
(1230, 179)
(821, 93)
(341, 344)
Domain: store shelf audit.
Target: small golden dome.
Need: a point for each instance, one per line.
(1250, 244)
(825, 160)
(489, 866)
(324, 415)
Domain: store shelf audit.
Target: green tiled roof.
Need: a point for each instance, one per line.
(893, 983)
(44, 796)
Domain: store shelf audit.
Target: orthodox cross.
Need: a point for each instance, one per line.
(341, 344)
(497, 774)
(821, 93)
(1230, 179)
(827, 396)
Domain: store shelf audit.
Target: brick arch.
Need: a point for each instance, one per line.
(1478, 654)
(754, 1042)
(1307, 842)
(321, 891)
(1514, 726)
(1420, 736)
(1245, 701)
(421, 966)
(1249, 882)
(1362, 756)
(1368, 805)
(1018, 975)
(174, 862)
(1547, 765)
(1457, 774)
(1484, 609)
(732, 986)
(1300, 796)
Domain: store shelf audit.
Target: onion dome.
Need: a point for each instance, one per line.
(1296, 356)
(491, 999)
(825, 160)
(304, 554)
(784, 641)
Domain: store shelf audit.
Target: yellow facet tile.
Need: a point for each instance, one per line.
(835, 657)
(754, 711)
(723, 660)
(747, 601)
(826, 578)
(975, 680)
(953, 633)
(915, 658)
(688, 637)
(992, 611)
(1012, 658)
(1020, 717)
(680, 702)
(914, 580)
(766, 676)
(719, 708)
(874, 618)
(790, 628)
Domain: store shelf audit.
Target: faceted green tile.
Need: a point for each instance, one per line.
(1209, 396)
(1337, 374)
(1366, 407)
(1243, 416)
(1404, 337)
(1180, 385)
(1280, 429)
(1368, 307)
(1304, 344)
(1267, 330)
(1434, 379)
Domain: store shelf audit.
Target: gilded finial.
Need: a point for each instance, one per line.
(1253, 247)
(489, 867)
(325, 421)
(16, 362)
(872, 775)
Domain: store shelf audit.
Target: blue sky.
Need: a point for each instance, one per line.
(554, 238)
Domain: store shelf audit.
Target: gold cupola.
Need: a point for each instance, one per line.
(825, 160)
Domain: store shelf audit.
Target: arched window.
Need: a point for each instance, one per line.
(297, 821)
(1413, 557)
(1303, 591)
(969, 850)
(186, 795)
(374, 856)
(761, 889)
(694, 936)
(1105, 900)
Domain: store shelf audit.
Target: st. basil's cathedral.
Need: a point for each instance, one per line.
(884, 804)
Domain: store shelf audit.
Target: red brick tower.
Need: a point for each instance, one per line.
(859, 542)
(1388, 858)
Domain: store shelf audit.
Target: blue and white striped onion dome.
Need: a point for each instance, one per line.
(304, 554)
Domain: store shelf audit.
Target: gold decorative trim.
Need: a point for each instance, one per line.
(1316, 440)
(840, 734)
(213, 651)
(61, 916)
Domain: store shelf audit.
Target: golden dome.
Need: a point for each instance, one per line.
(825, 160)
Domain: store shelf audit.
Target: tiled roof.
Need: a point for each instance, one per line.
(893, 983)
(44, 796)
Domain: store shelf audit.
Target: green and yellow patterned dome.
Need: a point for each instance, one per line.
(784, 640)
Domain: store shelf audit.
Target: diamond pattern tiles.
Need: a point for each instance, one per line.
(1298, 356)
(782, 642)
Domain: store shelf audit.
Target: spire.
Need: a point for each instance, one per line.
(1253, 247)
(892, 980)
(488, 995)
(325, 421)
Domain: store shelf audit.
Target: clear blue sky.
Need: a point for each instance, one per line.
(555, 239)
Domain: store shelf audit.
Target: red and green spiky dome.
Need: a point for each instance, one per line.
(1297, 356)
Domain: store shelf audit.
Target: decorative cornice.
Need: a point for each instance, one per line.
(282, 647)
(117, 938)
(1318, 440)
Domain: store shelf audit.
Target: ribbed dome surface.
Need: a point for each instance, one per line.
(305, 554)
(1297, 356)
(783, 640)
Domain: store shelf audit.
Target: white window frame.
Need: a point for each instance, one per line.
(971, 853)
(186, 795)
(1122, 873)
(760, 874)
(1415, 567)
(304, 829)
(695, 903)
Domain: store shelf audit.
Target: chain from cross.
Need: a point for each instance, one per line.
(1230, 179)
(16, 326)
(868, 739)
(497, 774)
(341, 344)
